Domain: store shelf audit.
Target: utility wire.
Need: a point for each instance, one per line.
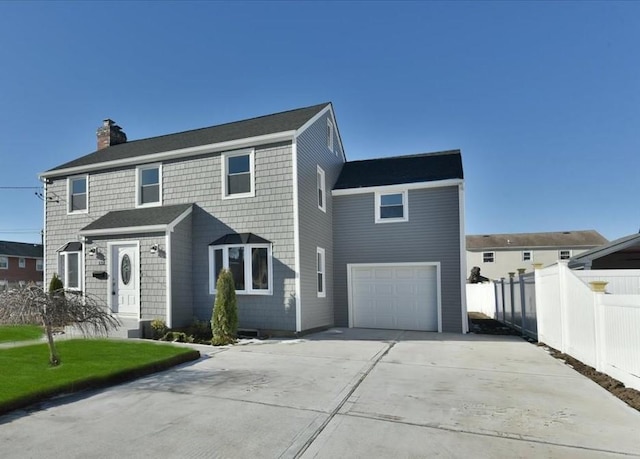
(20, 187)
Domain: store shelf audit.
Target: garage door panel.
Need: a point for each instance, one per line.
(395, 297)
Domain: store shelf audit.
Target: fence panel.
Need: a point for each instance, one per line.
(549, 307)
(580, 328)
(481, 298)
(528, 283)
(620, 281)
(499, 289)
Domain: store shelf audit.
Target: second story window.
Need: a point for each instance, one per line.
(527, 255)
(391, 207)
(322, 196)
(77, 194)
(565, 254)
(237, 174)
(488, 257)
(149, 192)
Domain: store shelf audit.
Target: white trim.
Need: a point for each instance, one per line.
(171, 226)
(224, 159)
(463, 260)
(110, 246)
(175, 154)
(405, 207)
(248, 267)
(530, 252)
(44, 233)
(139, 170)
(323, 293)
(81, 268)
(493, 256)
(69, 197)
(167, 269)
(350, 266)
(320, 114)
(126, 230)
(315, 118)
(397, 187)
(322, 186)
(330, 134)
(296, 228)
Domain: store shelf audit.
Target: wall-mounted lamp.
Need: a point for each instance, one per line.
(93, 251)
(154, 249)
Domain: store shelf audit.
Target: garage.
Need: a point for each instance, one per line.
(403, 296)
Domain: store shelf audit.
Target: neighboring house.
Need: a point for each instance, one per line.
(148, 224)
(623, 253)
(20, 263)
(499, 254)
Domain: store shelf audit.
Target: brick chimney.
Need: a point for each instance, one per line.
(110, 134)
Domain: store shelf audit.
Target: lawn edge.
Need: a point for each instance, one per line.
(97, 382)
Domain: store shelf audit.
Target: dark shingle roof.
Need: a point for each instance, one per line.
(150, 216)
(263, 125)
(426, 167)
(629, 243)
(588, 238)
(240, 238)
(20, 249)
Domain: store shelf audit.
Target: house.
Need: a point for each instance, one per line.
(312, 240)
(499, 254)
(623, 253)
(20, 263)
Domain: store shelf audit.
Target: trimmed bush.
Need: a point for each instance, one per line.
(224, 321)
(55, 284)
(158, 328)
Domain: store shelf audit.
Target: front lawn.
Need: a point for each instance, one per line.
(10, 333)
(27, 377)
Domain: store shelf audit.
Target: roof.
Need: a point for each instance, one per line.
(71, 247)
(425, 167)
(240, 238)
(20, 249)
(263, 125)
(629, 243)
(588, 238)
(146, 218)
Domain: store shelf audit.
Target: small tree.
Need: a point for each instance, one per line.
(224, 321)
(55, 308)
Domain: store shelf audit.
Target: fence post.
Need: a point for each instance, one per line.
(537, 267)
(598, 289)
(512, 296)
(565, 339)
(522, 299)
(502, 296)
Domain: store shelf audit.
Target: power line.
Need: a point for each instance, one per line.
(20, 187)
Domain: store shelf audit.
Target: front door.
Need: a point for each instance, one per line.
(125, 288)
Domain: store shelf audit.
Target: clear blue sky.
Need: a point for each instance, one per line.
(542, 98)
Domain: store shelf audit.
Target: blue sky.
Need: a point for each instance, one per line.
(542, 98)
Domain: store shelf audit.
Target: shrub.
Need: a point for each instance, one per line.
(177, 337)
(158, 328)
(200, 331)
(224, 321)
(55, 284)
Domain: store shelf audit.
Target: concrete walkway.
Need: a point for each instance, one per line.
(341, 393)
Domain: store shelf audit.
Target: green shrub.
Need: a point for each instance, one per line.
(55, 284)
(177, 337)
(224, 320)
(158, 328)
(200, 331)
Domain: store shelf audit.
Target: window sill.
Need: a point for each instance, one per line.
(239, 195)
(391, 220)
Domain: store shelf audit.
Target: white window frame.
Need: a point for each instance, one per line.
(225, 165)
(524, 255)
(4, 262)
(321, 190)
(65, 260)
(405, 207)
(321, 268)
(248, 272)
(491, 254)
(69, 194)
(568, 251)
(139, 171)
(22, 263)
(330, 135)
(39, 264)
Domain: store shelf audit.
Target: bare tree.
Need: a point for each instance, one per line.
(57, 308)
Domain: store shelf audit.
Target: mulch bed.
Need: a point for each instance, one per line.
(481, 324)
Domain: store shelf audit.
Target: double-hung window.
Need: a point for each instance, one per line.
(4, 262)
(39, 264)
(238, 174)
(488, 257)
(77, 194)
(149, 185)
(320, 268)
(250, 266)
(392, 207)
(70, 269)
(527, 255)
(322, 195)
(565, 254)
(22, 262)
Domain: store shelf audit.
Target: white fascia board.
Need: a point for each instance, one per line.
(174, 154)
(320, 114)
(126, 230)
(296, 234)
(398, 187)
(171, 226)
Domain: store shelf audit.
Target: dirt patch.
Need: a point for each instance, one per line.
(483, 325)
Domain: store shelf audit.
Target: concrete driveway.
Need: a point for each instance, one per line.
(341, 393)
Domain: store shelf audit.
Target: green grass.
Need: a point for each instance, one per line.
(26, 376)
(10, 333)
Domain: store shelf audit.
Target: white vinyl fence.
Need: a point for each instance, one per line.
(481, 298)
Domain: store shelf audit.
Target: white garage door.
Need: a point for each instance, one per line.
(394, 296)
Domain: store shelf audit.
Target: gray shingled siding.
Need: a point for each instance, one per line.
(269, 215)
(181, 269)
(314, 224)
(431, 234)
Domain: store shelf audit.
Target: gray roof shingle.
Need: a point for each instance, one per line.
(587, 238)
(629, 243)
(263, 125)
(149, 216)
(20, 249)
(425, 167)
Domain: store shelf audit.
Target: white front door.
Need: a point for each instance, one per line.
(125, 279)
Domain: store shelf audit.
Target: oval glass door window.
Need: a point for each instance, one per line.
(125, 269)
